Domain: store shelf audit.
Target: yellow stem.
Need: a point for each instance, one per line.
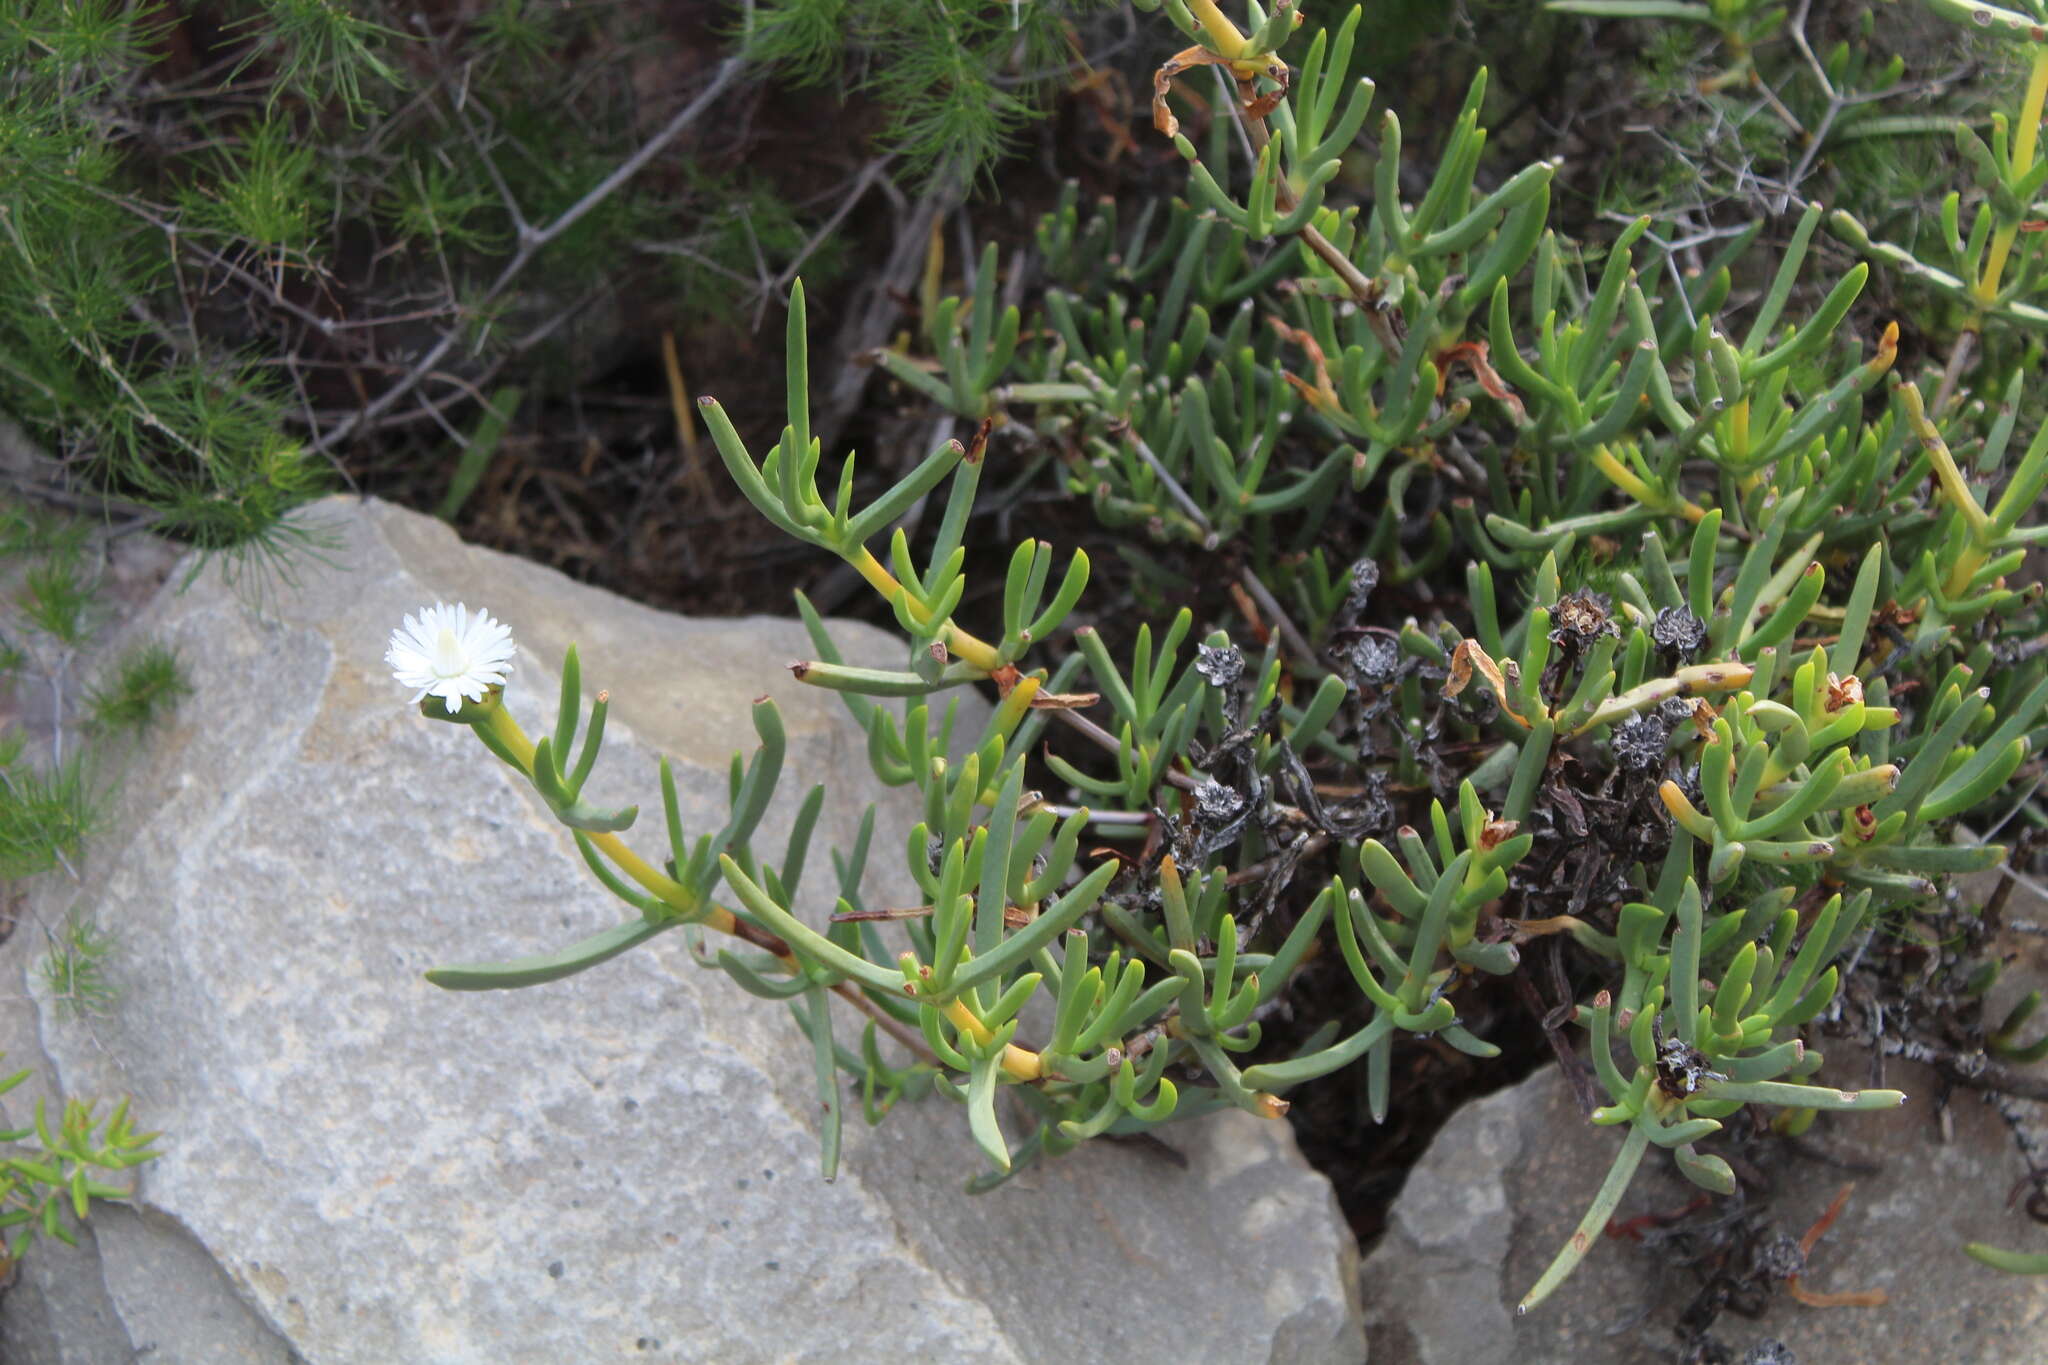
(1952, 483)
(1021, 1064)
(2025, 140)
(932, 287)
(694, 910)
(2028, 136)
(511, 736)
(1954, 488)
(972, 648)
(1229, 42)
(1684, 812)
(1011, 712)
(703, 910)
(707, 913)
(1624, 478)
(1693, 680)
(879, 578)
(1629, 482)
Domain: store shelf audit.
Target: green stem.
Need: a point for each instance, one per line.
(690, 908)
(1604, 1204)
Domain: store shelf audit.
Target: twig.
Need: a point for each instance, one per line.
(1952, 373)
(867, 176)
(140, 517)
(1096, 817)
(1251, 581)
(1974, 1071)
(887, 1022)
(57, 709)
(748, 932)
(1363, 291)
(1173, 488)
(97, 353)
(1106, 740)
(871, 316)
(1266, 866)
(1568, 1064)
(531, 242)
(1271, 606)
(483, 154)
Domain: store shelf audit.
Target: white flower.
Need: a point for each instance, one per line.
(451, 653)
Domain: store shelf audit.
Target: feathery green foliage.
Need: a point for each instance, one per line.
(219, 245)
(146, 682)
(46, 815)
(82, 268)
(74, 969)
(956, 79)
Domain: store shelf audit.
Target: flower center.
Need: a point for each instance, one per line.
(448, 658)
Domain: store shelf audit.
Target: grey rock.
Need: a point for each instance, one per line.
(1509, 1177)
(57, 1310)
(179, 1301)
(360, 1167)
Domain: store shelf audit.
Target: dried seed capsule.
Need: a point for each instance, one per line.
(1780, 1258)
(1770, 1351)
(1681, 1068)
(1678, 631)
(1373, 808)
(1365, 576)
(1579, 618)
(1219, 665)
(1376, 660)
(1217, 805)
(1639, 742)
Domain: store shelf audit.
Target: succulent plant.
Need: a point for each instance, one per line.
(1704, 603)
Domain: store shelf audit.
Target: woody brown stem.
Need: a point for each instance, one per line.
(845, 990)
(886, 1022)
(1362, 290)
(1110, 742)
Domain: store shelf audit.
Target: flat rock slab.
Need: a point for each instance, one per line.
(1510, 1176)
(621, 1166)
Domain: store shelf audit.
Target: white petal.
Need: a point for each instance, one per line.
(451, 653)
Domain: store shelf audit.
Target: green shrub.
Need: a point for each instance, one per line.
(1572, 591)
(220, 243)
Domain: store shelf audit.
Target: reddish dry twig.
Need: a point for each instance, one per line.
(1870, 1298)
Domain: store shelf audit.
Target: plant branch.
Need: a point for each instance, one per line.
(531, 242)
